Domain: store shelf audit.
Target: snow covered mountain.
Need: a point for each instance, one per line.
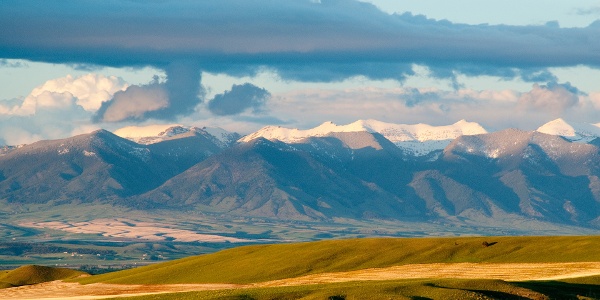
(575, 132)
(417, 140)
(153, 134)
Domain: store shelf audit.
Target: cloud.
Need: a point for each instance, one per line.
(553, 98)
(183, 89)
(5, 63)
(595, 10)
(301, 39)
(133, 103)
(90, 90)
(86, 92)
(239, 99)
(56, 109)
(178, 96)
(56, 116)
(494, 109)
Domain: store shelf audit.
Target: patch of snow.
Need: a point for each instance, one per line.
(141, 153)
(174, 130)
(152, 134)
(89, 153)
(132, 132)
(220, 134)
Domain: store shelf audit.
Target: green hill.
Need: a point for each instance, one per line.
(464, 289)
(269, 262)
(33, 274)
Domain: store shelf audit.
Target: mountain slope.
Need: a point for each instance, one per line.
(354, 173)
(273, 179)
(87, 168)
(529, 173)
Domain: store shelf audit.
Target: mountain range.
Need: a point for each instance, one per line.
(366, 170)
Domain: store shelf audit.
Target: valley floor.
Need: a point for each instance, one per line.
(502, 271)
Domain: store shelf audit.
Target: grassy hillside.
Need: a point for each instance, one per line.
(35, 274)
(399, 289)
(269, 262)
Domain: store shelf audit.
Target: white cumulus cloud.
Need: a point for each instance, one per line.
(87, 91)
(90, 90)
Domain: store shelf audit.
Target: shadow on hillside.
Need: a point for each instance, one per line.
(486, 244)
(487, 293)
(562, 290)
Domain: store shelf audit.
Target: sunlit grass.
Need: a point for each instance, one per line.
(269, 262)
(399, 289)
(31, 274)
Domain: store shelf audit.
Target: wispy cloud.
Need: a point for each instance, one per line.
(5, 63)
(595, 10)
(494, 109)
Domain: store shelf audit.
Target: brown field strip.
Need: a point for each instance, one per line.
(505, 271)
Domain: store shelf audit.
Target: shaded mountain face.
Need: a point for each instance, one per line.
(95, 167)
(528, 173)
(304, 181)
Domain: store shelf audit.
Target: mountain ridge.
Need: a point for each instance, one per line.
(351, 175)
(419, 139)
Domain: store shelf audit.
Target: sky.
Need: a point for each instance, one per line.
(70, 67)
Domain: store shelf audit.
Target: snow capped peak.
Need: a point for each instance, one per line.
(157, 133)
(576, 132)
(131, 132)
(173, 131)
(557, 127)
(294, 135)
(418, 139)
(224, 136)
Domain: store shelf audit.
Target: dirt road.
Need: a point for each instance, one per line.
(509, 271)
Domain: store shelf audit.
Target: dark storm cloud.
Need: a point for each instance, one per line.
(178, 96)
(327, 40)
(274, 33)
(183, 90)
(239, 99)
